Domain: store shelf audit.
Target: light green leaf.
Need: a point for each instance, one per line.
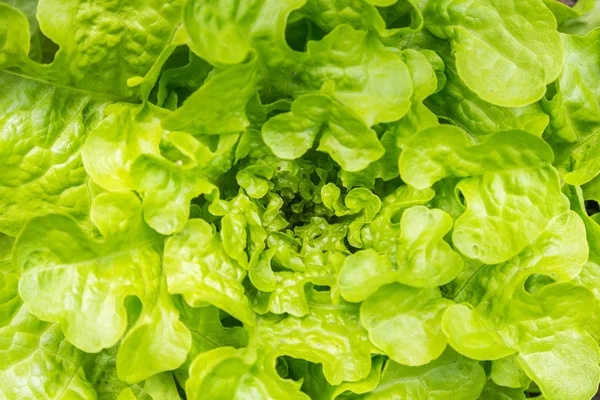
(124, 134)
(564, 12)
(506, 52)
(446, 151)
(14, 36)
(574, 110)
(168, 187)
(219, 105)
(492, 391)
(242, 232)
(227, 373)
(386, 168)
(363, 273)
(451, 376)
(197, 267)
(381, 234)
(343, 135)
(36, 361)
(559, 252)
(40, 49)
(511, 181)
(317, 387)
(330, 334)
(6, 245)
(496, 208)
(379, 87)
(425, 83)
(563, 366)
(288, 294)
(42, 130)
(208, 333)
(101, 371)
(590, 274)
(187, 78)
(507, 372)
(459, 104)
(422, 258)
(328, 14)
(74, 281)
(405, 323)
(162, 386)
(542, 320)
(102, 45)
(224, 33)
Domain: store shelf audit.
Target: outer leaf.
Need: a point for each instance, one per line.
(446, 151)
(512, 174)
(39, 49)
(459, 104)
(496, 328)
(330, 334)
(590, 275)
(224, 33)
(564, 365)
(505, 63)
(103, 44)
(564, 12)
(197, 266)
(316, 386)
(406, 323)
(381, 90)
(425, 82)
(101, 371)
(42, 129)
(538, 200)
(451, 376)
(72, 280)
(226, 373)
(36, 361)
(219, 105)
(494, 392)
(507, 372)
(207, 333)
(574, 110)
(123, 135)
(14, 36)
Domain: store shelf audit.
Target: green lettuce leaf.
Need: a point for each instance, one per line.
(504, 161)
(505, 63)
(228, 373)
(52, 253)
(574, 111)
(451, 376)
(316, 386)
(405, 323)
(198, 267)
(37, 362)
(331, 335)
(42, 131)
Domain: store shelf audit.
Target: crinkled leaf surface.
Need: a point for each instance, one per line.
(52, 253)
(574, 111)
(506, 51)
(42, 131)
